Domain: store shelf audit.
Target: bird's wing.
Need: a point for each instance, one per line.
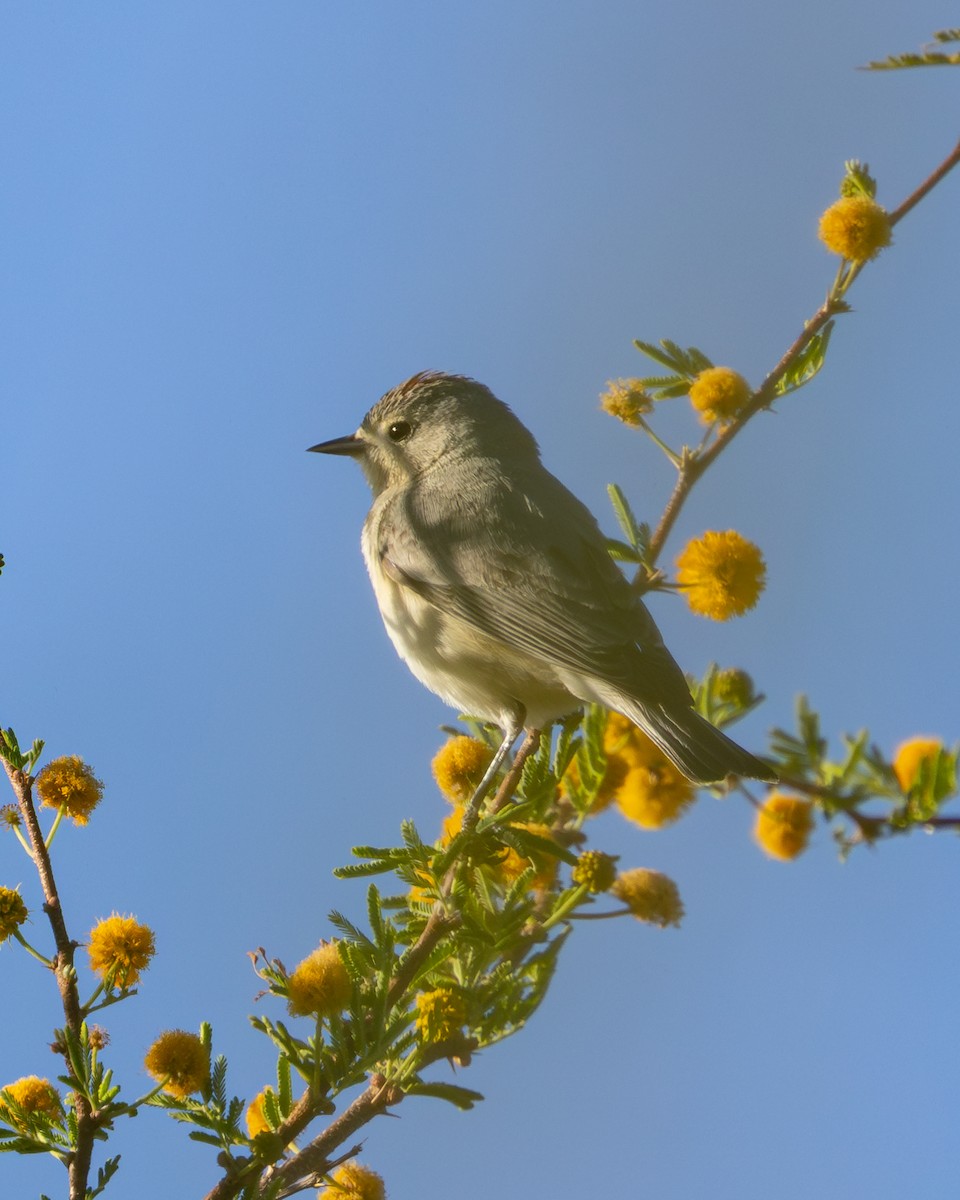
(523, 561)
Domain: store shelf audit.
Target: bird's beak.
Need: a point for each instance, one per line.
(350, 445)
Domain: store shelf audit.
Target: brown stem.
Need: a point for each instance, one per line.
(78, 1166)
(930, 182)
(314, 1158)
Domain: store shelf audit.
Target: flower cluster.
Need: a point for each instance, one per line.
(13, 912)
(650, 895)
(68, 783)
(179, 1062)
(784, 824)
(723, 574)
(33, 1096)
(856, 228)
(120, 949)
(320, 985)
(652, 792)
(352, 1181)
(910, 756)
(627, 400)
(719, 394)
(459, 765)
(595, 870)
(441, 1014)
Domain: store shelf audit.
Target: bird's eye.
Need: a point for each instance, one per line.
(399, 430)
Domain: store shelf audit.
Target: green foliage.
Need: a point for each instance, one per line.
(929, 57)
(807, 364)
(684, 366)
(637, 533)
(857, 180)
(11, 753)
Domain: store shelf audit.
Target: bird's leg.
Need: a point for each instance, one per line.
(527, 747)
(511, 726)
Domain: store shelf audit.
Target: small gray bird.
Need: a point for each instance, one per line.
(495, 584)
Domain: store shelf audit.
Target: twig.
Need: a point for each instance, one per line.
(78, 1164)
(693, 464)
(314, 1158)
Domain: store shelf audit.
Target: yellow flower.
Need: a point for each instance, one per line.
(255, 1117)
(784, 824)
(718, 394)
(513, 863)
(70, 784)
(650, 896)
(441, 1014)
(120, 949)
(458, 767)
(34, 1095)
(179, 1061)
(451, 826)
(910, 756)
(654, 793)
(856, 227)
(595, 869)
(320, 985)
(723, 574)
(13, 912)
(10, 816)
(355, 1182)
(627, 400)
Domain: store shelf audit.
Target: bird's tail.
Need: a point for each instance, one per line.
(700, 750)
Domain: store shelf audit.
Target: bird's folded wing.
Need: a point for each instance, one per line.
(580, 621)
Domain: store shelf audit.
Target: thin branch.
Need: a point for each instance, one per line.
(315, 1158)
(694, 464)
(78, 1163)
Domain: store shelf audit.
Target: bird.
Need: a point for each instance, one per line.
(496, 586)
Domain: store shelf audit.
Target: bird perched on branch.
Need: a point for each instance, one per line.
(495, 584)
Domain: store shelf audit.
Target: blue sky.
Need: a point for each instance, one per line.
(228, 229)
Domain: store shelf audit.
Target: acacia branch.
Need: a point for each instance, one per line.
(694, 464)
(78, 1164)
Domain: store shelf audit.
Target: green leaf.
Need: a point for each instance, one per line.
(858, 181)
(807, 364)
(461, 1097)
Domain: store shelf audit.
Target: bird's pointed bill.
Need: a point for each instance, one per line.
(350, 445)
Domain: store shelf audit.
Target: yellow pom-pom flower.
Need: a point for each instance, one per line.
(320, 985)
(178, 1061)
(856, 228)
(458, 767)
(355, 1182)
(650, 895)
(13, 912)
(120, 949)
(255, 1117)
(70, 784)
(718, 394)
(910, 757)
(722, 574)
(441, 1014)
(784, 824)
(36, 1096)
(627, 400)
(512, 865)
(595, 870)
(654, 793)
